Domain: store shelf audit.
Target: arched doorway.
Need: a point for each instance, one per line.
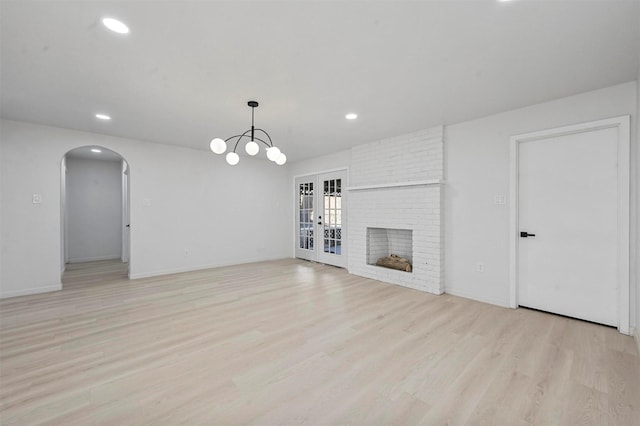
(94, 188)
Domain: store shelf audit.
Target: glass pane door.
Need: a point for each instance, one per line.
(333, 219)
(305, 196)
(321, 218)
(332, 201)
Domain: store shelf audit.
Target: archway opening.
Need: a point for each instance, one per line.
(94, 216)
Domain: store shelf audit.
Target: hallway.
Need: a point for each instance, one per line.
(94, 273)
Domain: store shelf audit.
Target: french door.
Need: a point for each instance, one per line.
(321, 218)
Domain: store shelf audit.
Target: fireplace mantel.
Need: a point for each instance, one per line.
(395, 184)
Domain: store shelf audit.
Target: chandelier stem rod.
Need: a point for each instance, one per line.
(267, 134)
(252, 116)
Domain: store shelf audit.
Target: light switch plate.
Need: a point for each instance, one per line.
(36, 199)
(499, 199)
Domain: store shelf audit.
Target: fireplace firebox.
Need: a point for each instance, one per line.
(391, 248)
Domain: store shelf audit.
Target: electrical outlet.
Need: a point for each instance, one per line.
(499, 199)
(480, 267)
(36, 199)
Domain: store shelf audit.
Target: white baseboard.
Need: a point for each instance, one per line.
(135, 276)
(29, 291)
(636, 335)
(483, 299)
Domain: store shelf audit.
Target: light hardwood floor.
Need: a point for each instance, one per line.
(291, 342)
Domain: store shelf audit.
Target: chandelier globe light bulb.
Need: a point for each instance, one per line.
(233, 158)
(273, 153)
(252, 148)
(281, 159)
(218, 146)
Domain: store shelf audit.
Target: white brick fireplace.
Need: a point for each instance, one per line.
(395, 193)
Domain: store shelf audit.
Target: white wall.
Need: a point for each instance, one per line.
(94, 209)
(636, 180)
(2, 237)
(477, 169)
(337, 160)
(189, 209)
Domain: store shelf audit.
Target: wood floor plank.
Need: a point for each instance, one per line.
(293, 342)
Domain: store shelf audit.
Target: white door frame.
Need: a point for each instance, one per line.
(622, 124)
(125, 213)
(295, 205)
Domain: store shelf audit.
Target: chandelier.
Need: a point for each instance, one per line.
(219, 146)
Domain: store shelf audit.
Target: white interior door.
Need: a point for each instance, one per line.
(321, 218)
(568, 200)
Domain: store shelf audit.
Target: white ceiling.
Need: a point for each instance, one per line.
(86, 154)
(187, 69)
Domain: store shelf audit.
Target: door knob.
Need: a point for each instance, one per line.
(525, 234)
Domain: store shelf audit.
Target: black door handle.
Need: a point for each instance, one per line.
(128, 226)
(319, 223)
(525, 234)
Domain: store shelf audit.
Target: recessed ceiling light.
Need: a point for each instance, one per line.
(96, 150)
(115, 25)
(103, 117)
(351, 116)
